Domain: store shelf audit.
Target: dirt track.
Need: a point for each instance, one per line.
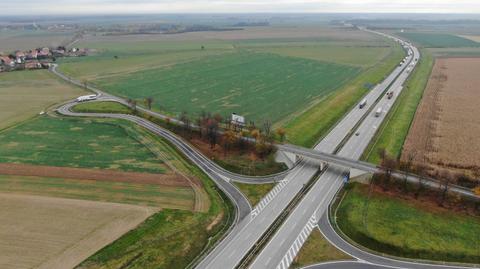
(92, 174)
(445, 130)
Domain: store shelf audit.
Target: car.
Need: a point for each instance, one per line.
(357, 133)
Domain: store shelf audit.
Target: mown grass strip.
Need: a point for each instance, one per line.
(407, 228)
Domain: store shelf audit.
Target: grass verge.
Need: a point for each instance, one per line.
(394, 129)
(170, 238)
(255, 192)
(307, 128)
(408, 228)
(316, 250)
(101, 107)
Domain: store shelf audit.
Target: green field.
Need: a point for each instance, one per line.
(257, 85)
(170, 239)
(305, 129)
(436, 40)
(361, 56)
(25, 94)
(255, 192)
(394, 130)
(136, 56)
(78, 143)
(175, 197)
(408, 228)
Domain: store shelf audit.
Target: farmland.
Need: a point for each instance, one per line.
(77, 143)
(25, 94)
(128, 192)
(29, 39)
(282, 61)
(444, 131)
(257, 85)
(54, 233)
(438, 40)
(408, 228)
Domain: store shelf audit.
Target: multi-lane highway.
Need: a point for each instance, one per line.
(285, 244)
(230, 254)
(251, 223)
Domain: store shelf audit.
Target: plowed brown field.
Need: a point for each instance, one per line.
(446, 128)
(54, 233)
(92, 174)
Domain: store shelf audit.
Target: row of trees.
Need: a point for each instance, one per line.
(409, 167)
(218, 130)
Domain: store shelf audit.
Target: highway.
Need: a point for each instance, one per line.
(287, 241)
(230, 254)
(251, 224)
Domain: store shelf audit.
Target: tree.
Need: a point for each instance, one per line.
(186, 122)
(133, 104)
(406, 166)
(281, 133)
(476, 190)
(421, 170)
(267, 128)
(212, 132)
(263, 149)
(445, 178)
(255, 133)
(229, 138)
(149, 102)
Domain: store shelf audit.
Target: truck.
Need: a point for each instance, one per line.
(390, 94)
(85, 98)
(378, 112)
(363, 103)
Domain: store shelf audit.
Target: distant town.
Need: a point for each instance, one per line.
(37, 58)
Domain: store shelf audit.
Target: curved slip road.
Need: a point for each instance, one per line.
(366, 259)
(240, 201)
(103, 96)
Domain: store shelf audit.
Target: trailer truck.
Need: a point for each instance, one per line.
(87, 98)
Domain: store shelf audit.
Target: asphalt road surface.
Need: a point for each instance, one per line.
(285, 244)
(230, 254)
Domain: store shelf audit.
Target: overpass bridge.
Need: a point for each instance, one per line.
(323, 159)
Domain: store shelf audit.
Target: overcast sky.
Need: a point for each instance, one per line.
(235, 6)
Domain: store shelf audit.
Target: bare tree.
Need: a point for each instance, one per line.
(149, 102)
(406, 166)
(267, 128)
(446, 179)
(133, 104)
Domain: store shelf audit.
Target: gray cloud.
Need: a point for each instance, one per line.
(220, 6)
